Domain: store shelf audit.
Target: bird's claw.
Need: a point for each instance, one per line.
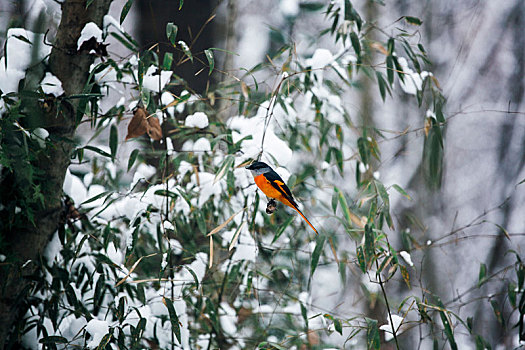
(271, 206)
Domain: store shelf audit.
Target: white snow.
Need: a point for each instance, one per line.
(413, 81)
(228, 319)
(164, 262)
(111, 21)
(40, 135)
(74, 188)
(289, 8)
(52, 248)
(90, 30)
(406, 257)
(197, 120)
(20, 55)
(52, 85)
(274, 147)
(150, 80)
(202, 145)
(389, 334)
(320, 59)
(98, 329)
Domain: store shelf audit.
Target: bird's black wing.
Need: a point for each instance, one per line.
(278, 183)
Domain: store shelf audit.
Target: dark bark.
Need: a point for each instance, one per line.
(22, 239)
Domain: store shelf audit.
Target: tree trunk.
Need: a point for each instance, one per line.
(24, 239)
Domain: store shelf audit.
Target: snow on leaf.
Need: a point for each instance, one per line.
(197, 120)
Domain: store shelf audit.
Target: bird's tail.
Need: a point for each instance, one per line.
(305, 219)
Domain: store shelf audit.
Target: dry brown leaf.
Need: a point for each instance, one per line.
(223, 225)
(211, 252)
(138, 125)
(428, 125)
(379, 48)
(234, 240)
(133, 269)
(245, 90)
(154, 129)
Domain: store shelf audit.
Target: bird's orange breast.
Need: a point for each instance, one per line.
(267, 187)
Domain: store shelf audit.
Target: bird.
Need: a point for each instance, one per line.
(273, 186)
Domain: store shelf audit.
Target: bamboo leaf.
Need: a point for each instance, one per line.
(168, 61)
(372, 335)
(53, 339)
(171, 32)
(355, 43)
(413, 20)
(125, 10)
(401, 191)
(223, 225)
(320, 241)
(113, 140)
(482, 274)
(211, 61)
(132, 158)
(174, 319)
(186, 50)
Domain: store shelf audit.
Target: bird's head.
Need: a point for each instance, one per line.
(258, 168)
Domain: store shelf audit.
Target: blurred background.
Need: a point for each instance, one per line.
(477, 50)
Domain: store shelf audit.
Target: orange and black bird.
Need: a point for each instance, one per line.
(274, 187)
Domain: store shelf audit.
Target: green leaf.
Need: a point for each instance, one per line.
(105, 340)
(123, 41)
(382, 85)
(482, 274)
(413, 20)
(53, 339)
(511, 289)
(369, 245)
(311, 6)
(174, 319)
(382, 193)
(92, 199)
(125, 10)
(98, 150)
(132, 158)
(364, 151)
(337, 325)
(201, 223)
(497, 312)
(448, 328)
(195, 279)
(89, 2)
(361, 258)
(401, 191)
(355, 43)
(168, 61)
(282, 228)
(339, 159)
(390, 69)
(344, 205)
(211, 61)
(319, 245)
(181, 2)
(171, 32)
(186, 50)
(372, 335)
(113, 140)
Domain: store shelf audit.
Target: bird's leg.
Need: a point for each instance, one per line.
(271, 206)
